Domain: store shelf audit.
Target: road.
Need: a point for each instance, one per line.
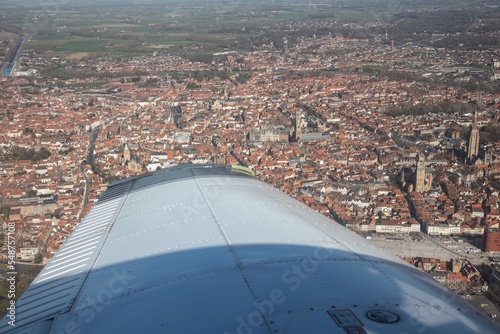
(88, 185)
(88, 181)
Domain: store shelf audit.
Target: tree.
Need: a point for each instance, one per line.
(4, 211)
(38, 258)
(192, 85)
(21, 153)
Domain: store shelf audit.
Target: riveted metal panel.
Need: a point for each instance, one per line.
(203, 249)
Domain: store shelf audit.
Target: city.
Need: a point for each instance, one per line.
(396, 140)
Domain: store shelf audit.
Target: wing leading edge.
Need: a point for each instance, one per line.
(209, 249)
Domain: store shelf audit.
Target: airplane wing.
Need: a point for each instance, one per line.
(209, 249)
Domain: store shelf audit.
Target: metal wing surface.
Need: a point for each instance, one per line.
(207, 249)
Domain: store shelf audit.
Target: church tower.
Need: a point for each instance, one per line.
(420, 175)
(473, 143)
(126, 154)
(298, 125)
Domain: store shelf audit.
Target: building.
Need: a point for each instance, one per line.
(298, 124)
(455, 265)
(175, 114)
(159, 156)
(473, 142)
(416, 178)
(420, 175)
(491, 240)
(270, 133)
(495, 62)
(28, 253)
(130, 161)
(489, 159)
(423, 176)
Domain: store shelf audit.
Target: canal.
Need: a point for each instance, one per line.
(13, 58)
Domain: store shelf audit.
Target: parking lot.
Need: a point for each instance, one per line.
(422, 245)
(443, 248)
(483, 303)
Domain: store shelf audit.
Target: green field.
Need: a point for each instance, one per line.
(286, 16)
(54, 37)
(129, 28)
(93, 45)
(167, 39)
(45, 45)
(55, 72)
(4, 291)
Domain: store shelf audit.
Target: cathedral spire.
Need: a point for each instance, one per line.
(473, 142)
